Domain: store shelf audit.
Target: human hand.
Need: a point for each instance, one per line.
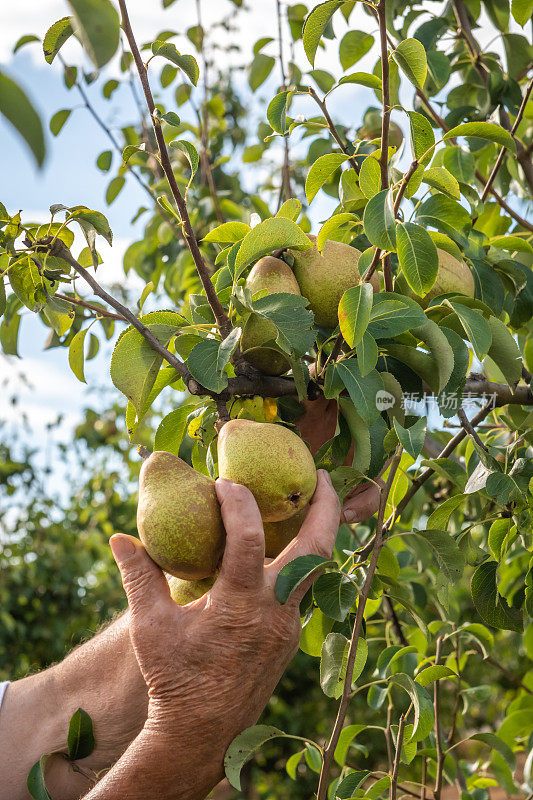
(211, 666)
(317, 426)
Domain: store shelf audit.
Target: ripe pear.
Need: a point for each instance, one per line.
(272, 461)
(184, 592)
(275, 276)
(454, 276)
(324, 277)
(178, 517)
(279, 534)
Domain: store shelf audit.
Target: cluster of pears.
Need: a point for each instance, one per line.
(178, 515)
(321, 277)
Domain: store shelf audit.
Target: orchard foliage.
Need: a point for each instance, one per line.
(421, 608)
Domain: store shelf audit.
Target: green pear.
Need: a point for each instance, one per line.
(275, 276)
(272, 461)
(279, 534)
(184, 592)
(324, 277)
(178, 517)
(454, 276)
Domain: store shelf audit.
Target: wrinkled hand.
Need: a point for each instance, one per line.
(211, 666)
(317, 426)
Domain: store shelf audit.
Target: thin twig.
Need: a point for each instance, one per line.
(102, 312)
(501, 155)
(221, 317)
(333, 130)
(403, 186)
(363, 597)
(438, 732)
(385, 124)
(396, 767)
(467, 425)
(286, 168)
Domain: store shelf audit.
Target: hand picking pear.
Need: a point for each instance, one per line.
(275, 276)
(183, 592)
(178, 517)
(279, 534)
(324, 277)
(272, 461)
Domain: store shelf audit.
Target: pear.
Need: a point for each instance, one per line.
(454, 276)
(279, 534)
(272, 461)
(178, 517)
(183, 592)
(275, 276)
(324, 277)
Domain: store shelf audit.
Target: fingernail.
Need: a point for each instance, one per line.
(122, 547)
(327, 476)
(349, 517)
(222, 486)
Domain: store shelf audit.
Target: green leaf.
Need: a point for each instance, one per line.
(321, 170)
(97, 24)
(362, 391)
(504, 351)
(260, 69)
(461, 163)
(55, 38)
(228, 233)
(104, 160)
(476, 327)
(134, 364)
(90, 221)
(172, 118)
(334, 594)
(445, 214)
(522, 11)
(275, 233)
(227, 347)
(315, 25)
(491, 606)
(109, 87)
(294, 323)
(446, 553)
(191, 154)
(363, 79)
(434, 673)
(422, 136)
(171, 430)
(367, 354)
(290, 209)
(512, 243)
(393, 314)
(483, 130)
(203, 365)
(335, 227)
(346, 737)
(80, 738)
(9, 331)
(439, 178)
(354, 313)
(35, 783)
(114, 189)
(28, 283)
(76, 357)
(418, 256)
(277, 112)
(59, 119)
(379, 221)
(292, 763)
(295, 572)
(333, 664)
(410, 56)
(18, 110)
(187, 64)
(440, 516)
(243, 747)
(25, 39)
(495, 743)
(349, 785)
(370, 176)
(354, 45)
(412, 439)
(422, 702)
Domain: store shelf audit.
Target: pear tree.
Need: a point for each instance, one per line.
(407, 309)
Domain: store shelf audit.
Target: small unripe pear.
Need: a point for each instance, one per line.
(279, 534)
(184, 592)
(275, 276)
(324, 277)
(272, 461)
(178, 517)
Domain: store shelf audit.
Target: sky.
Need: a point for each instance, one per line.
(70, 176)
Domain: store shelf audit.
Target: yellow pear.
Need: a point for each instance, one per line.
(275, 276)
(178, 517)
(272, 461)
(183, 592)
(324, 277)
(279, 534)
(453, 276)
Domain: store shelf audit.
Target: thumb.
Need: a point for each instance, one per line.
(143, 581)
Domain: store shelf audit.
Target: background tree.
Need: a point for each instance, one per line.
(422, 619)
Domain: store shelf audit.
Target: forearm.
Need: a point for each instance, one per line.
(103, 678)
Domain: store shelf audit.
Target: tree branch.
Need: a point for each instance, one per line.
(438, 732)
(363, 597)
(385, 120)
(221, 317)
(102, 312)
(396, 768)
(403, 186)
(333, 130)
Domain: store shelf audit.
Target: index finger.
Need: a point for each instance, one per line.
(319, 530)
